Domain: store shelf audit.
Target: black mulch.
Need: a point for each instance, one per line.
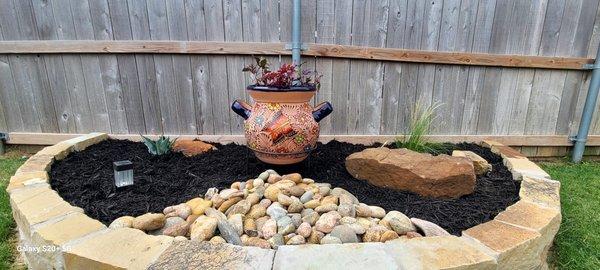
(85, 179)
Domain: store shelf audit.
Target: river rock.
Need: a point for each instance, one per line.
(237, 222)
(411, 235)
(169, 222)
(284, 200)
(210, 193)
(331, 199)
(229, 203)
(149, 222)
(326, 208)
(328, 239)
(250, 227)
(211, 212)
(256, 211)
(377, 212)
(480, 165)
(253, 198)
(403, 169)
(296, 191)
(181, 210)
(311, 218)
(242, 207)
(327, 221)
(265, 203)
(285, 226)
(347, 210)
(296, 219)
(304, 229)
(178, 229)
(344, 233)
(269, 228)
(275, 211)
(122, 222)
(429, 228)
(217, 200)
(203, 228)
(388, 235)
(217, 240)
(314, 203)
(339, 191)
(295, 207)
(295, 177)
(276, 241)
(315, 237)
(401, 226)
(397, 215)
(296, 240)
(374, 233)
(230, 193)
(363, 210)
(273, 178)
(229, 233)
(307, 196)
(257, 242)
(263, 176)
(271, 192)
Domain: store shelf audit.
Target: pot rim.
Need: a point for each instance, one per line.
(265, 88)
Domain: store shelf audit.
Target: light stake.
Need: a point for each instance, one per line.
(123, 173)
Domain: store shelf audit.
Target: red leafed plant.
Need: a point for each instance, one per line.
(283, 78)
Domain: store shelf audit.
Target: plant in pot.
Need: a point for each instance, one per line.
(281, 127)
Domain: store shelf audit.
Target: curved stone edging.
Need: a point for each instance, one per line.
(54, 234)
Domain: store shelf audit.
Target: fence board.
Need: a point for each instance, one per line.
(171, 85)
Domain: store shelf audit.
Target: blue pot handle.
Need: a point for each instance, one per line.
(322, 110)
(241, 108)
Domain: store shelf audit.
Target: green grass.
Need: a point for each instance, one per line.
(577, 244)
(8, 166)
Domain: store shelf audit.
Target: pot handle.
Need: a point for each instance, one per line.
(322, 110)
(241, 108)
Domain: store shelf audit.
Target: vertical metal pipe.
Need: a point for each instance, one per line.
(296, 33)
(588, 111)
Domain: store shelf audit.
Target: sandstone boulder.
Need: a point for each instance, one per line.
(480, 165)
(192, 148)
(424, 174)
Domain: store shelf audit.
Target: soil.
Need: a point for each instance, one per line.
(85, 179)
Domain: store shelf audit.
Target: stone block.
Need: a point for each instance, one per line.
(545, 221)
(213, 256)
(82, 142)
(39, 208)
(123, 248)
(513, 247)
(524, 167)
(22, 194)
(489, 144)
(73, 226)
(59, 150)
(37, 163)
(358, 256)
(439, 252)
(24, 179)
(507, 152)
(542, 191)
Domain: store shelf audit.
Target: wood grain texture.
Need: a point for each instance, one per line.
(507, 67)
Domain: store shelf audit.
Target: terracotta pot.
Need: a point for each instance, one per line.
(281, 127)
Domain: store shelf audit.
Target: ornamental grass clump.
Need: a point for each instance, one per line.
(420, 123)
(287, 76)
(163, 145)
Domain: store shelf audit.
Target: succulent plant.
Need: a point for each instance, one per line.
(161, 146)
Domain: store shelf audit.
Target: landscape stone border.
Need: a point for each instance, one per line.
(55, 234)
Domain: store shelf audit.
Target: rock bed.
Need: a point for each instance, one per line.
(85, 179)
(273, 210)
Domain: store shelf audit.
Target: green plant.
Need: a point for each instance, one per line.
(420, 123)
(282, 78)
(162, 145)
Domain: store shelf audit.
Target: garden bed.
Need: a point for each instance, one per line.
(85, 179)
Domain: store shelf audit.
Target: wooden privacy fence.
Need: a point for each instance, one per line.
(512, 69)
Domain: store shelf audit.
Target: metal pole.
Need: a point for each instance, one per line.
(296, 33)
(588, 111)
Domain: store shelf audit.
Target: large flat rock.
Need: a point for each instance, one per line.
(424, 174)
(212, 256)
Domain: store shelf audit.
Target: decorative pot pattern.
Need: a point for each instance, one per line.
(281, 127)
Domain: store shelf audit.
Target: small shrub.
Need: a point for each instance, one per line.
(282, 78)
(161, 146)
(419, 126)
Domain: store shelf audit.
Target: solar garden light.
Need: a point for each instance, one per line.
(123, 173)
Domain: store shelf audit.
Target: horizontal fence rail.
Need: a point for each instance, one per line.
(312, 49)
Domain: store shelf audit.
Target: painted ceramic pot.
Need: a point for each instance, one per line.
(281, 127)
